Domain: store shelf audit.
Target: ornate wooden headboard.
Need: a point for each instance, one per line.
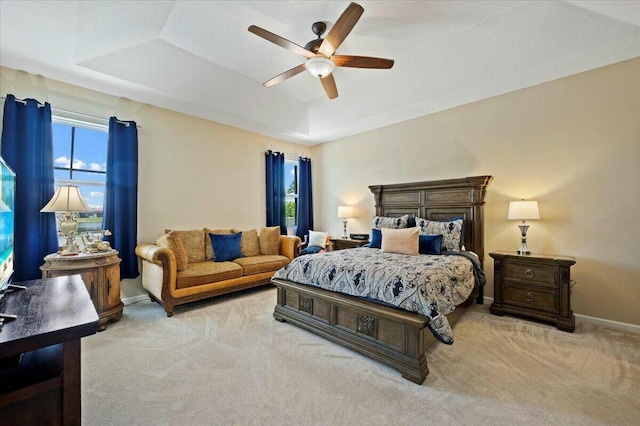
(439, 200)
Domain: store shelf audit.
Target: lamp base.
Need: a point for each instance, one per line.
(344, 229)
(523, 250)
(68, 225)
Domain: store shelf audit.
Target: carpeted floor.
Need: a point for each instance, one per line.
(226, 361)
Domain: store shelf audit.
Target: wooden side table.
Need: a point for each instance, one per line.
(536, 286)
(101, 275)
(346, 243)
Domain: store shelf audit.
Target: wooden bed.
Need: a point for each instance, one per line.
(393, 336)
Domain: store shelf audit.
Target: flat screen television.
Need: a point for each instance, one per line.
(7, 206)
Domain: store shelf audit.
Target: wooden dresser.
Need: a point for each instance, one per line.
(101, 274)
(346, 243)
(536, 286)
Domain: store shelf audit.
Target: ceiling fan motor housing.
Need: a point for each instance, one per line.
(318, 29)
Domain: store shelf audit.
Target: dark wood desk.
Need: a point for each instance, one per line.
(40, 351)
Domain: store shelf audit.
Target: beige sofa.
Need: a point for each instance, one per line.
(181, 266)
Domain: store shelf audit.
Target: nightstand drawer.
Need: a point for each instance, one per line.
(527, 273)
(528, 297)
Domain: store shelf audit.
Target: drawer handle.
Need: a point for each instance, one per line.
(528, 273)
(528, 297)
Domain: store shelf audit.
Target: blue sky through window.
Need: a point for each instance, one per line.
(85, 157)
(290, 177)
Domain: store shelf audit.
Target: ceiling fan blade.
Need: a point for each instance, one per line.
(341, 29)
(361, 62)
(329, 86)
(285, 75)
(280, 41)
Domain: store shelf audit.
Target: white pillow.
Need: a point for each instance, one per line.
(403, 241)
(317, 239)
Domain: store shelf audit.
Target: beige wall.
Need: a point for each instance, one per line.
(572, 144)
(192, 172)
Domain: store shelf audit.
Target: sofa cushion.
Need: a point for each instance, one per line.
(193, 242)
(208, 249)
(270, 240)
(226, 246)
(263, 263)
(174, 243)
(250, 243)
(207, 272)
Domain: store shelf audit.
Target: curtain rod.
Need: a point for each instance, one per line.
(289, 156)
(53, 109)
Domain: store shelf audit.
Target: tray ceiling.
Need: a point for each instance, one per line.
(197, 57)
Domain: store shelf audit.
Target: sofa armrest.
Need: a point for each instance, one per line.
(289, 246)
(159, 270)
(155, 254)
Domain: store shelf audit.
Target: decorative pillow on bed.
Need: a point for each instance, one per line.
(390, 222)
(317, 239)
(403, 241)
(376, 239)
(451, 231)
(226, 246)
(430, 244)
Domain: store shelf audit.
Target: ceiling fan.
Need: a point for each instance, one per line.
(320, 52)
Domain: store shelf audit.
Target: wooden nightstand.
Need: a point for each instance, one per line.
(101, 275)
(536, 286)
(347, 243)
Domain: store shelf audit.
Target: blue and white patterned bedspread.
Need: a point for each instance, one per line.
(432, 285)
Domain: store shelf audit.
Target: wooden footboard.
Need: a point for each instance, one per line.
(392, 336)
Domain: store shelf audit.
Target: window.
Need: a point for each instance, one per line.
(291, 190)
(80, 158)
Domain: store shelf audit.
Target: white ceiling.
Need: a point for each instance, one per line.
(197, 57)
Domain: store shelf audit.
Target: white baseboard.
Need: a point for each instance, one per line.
(134, 299)
(631, 328)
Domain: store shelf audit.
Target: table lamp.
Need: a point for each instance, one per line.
(523, 210)
(344, 213)
(66, 202)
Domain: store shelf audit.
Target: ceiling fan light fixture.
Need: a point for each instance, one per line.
(319, 66)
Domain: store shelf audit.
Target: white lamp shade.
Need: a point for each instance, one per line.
(67, 198)
(345, 212)
(523, 210)
(319, 66)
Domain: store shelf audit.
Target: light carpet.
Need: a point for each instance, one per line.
(227, 361)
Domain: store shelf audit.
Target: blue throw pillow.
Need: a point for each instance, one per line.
(430, 244)
(310, 250)
(226, 246)
(376, 238)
